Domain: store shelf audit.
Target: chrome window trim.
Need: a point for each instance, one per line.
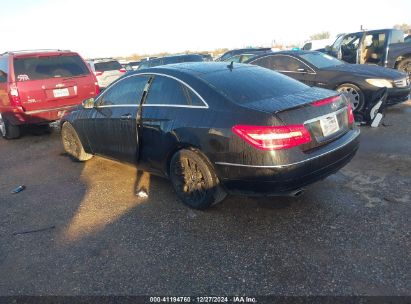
(295, 163)
(205, 106)
(281, 71)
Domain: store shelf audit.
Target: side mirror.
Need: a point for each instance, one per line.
(328, 48)
(88, 103)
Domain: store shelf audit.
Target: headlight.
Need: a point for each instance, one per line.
(380, 83)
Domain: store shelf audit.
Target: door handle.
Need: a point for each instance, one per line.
(125, 116)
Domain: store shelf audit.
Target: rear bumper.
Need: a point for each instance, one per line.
(287, 178)
(37, 116)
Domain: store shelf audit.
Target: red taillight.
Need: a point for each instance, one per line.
(273, 138)
(97, 88)
(14, 96)
(325, 101)
(350, 113)
(98, 73)
(123, 70)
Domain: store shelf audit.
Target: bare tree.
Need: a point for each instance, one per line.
(406, 28)
(322, 35)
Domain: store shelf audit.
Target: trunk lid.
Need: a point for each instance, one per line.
(324, 114)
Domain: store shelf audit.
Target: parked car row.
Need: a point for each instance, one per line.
(106, 70)
(271, 126)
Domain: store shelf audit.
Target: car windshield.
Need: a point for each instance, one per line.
(107, 66)
(243, 85)
(321, 60)
(44, 67)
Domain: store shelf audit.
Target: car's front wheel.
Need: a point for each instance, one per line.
(8, 130)
(405, 65)
(194, 180)
(354, 95)
(72, 144)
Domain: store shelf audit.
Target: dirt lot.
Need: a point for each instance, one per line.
(349, 234)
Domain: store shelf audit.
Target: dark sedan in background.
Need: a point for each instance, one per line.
(232, 53)
(214, 128)
(358, 82)
(171, 60)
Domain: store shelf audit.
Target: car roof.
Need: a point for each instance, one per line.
(289, 52)
(192, 68)
(101, 59)
(29, 53)
(373, 31)
(249, 49)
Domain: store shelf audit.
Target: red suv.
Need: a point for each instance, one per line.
(37, 87)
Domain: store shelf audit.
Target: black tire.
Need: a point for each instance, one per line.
(194, 180)
(72, 144)
(354, 94)
(405, 65)
(8, 130)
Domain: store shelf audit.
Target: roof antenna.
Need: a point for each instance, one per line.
(231, 66)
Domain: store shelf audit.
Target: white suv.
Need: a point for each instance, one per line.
(106, 70)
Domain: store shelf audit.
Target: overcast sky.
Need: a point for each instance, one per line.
(123, 27)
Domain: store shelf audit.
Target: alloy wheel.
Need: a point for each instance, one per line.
(407, 68)
(191, 179)
(352, 94)
(69, 142)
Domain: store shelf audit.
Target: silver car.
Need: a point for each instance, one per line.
(106, 70)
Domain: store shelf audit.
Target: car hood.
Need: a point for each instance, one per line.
(367, 71)
(286, 102)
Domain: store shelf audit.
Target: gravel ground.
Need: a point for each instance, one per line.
(347, 235)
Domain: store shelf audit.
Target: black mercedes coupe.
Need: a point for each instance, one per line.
(214, 128)
(358, 81)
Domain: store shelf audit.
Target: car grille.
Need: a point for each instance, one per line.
(402, 83)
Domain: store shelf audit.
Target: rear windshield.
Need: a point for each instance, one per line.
(44, 67)
(244, 85)
(107, 66)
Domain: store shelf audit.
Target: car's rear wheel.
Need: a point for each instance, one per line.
(72, 144)
(194, 180)
(354, 95)
(405, 65)
(8, 130)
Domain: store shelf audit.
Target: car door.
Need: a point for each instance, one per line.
(114, 132)
(168, 106)
(350, 48)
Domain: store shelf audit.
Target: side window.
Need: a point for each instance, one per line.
(143, 65)
(307, 46)
(280, 63)
(351, 41)
(192, 98)
(264, 62)
(3, 69)
(286, 64)
(168, 91)
(126, 92)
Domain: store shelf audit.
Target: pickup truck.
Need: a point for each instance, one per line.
(384, 47)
